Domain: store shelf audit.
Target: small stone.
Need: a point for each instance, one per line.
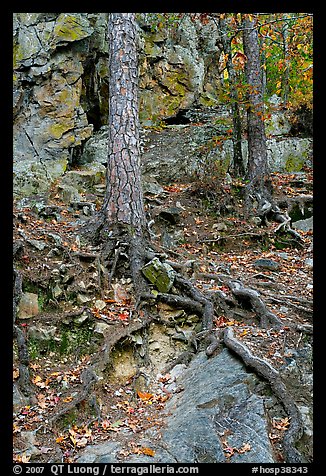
(57, 291)
(151, 186)
(172, 215)
(38, 244)
(220, 227)
(28, 306)
(303, 225)
(100, 328)
(82, 298)
(160, 274)
(309, 262)
(284, 309)
(99, 304)
(266, 264)
(81, 319)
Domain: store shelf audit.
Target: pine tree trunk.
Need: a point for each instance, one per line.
(123, 202)
(257, 170)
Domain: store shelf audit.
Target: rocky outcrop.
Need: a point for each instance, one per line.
(61, 89)
(179, 151)
(178, 68)
(215, 408)
(49, 119)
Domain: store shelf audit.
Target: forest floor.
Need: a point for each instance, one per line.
(200, 225)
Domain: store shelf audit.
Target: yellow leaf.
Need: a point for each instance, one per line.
(37, 379)
(68, 399)
(60, 439)
(15, 373)
(144, 395)
(25, 458)
(148, 451)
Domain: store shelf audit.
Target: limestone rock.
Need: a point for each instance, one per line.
(218, 395)
(160, 274)
(42, 334)
(268, 264)
(28, 305)
(304, 225)
(84, 179)
(278, 124)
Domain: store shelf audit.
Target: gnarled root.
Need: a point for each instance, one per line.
(263, 368)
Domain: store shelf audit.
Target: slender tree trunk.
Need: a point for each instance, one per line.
(286, 72)
(238, 166)
(257, 170)
(123, 202)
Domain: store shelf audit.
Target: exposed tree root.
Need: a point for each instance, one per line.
(100, 362)
(125, 254)
(267, 318)
(24, 381)
(263, 368)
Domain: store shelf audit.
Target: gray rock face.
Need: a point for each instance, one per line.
(304, 225)
(61, 92)
(176, 152)
(216, 409)
(217, 397)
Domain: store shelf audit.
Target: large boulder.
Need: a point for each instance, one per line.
(215, 410)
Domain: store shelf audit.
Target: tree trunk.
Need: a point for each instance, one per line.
(238, 166)
(257, 170)
(286, 72)
(123, 201)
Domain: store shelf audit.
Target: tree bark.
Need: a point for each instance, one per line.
(286, 72)
(257, 170)
(238, 166)
(123, 201)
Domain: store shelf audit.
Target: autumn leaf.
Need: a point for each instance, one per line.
(281, 424)
(105, 424)
(37, 379)
(82, 442)
(60, 439)
(147, 451)
(246, 447)
(165, 378)
(123, 316)
(68, 399)
(144, 395)
(15, 373)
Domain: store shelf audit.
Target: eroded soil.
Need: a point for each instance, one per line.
(194, 224)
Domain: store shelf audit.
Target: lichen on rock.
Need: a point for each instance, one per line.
(160, 274)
